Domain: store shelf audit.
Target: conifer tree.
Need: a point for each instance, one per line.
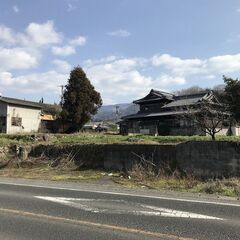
(232, 96)
(80, 100)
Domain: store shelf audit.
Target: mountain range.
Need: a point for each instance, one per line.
(115, 112)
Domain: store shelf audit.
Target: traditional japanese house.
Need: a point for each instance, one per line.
(161, 113)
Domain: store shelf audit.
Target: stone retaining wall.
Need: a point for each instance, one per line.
(209, 158)
(200, 158)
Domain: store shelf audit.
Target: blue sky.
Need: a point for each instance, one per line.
(126, 47)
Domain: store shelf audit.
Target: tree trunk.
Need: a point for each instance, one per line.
(213, 136)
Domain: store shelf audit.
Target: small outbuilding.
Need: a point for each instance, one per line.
(20, 116)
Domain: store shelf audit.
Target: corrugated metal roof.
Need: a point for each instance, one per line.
(16, 101)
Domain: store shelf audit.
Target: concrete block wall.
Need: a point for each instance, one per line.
(209, 158)
(199, 158)
(124, 156)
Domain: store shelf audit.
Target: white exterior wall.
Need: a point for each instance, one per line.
(223, 132)
(30, 119)
(236, 131)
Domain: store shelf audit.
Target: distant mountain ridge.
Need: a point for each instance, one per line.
(108, 112)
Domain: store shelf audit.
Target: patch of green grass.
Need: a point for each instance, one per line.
(87, 138)
(10, 139)
(101, 138)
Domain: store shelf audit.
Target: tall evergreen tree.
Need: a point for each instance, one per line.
(80, 100)
(232, 96)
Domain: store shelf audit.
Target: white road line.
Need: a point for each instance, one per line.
(113, 207)
(125, 194)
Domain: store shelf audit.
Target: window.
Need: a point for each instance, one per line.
(16, 121)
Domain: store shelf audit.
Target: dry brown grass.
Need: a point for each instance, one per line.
(146, 174)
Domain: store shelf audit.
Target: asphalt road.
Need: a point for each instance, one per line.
(51, 211)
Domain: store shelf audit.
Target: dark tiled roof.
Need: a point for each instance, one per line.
(155, 95)
(182, 102)
(173, 107)
(187, 100)
(148, 115)
(162, 93)
(15, 101)
(194, 95)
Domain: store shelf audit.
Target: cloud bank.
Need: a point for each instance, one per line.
(117, 78)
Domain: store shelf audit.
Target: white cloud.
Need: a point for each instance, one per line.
(70, 7)
(22, 50)
(223, 64)
(120, 33)
(165, 80)
(78, 41)
(35, 35)
(7, 35)
(63, 51)
(43, 34)
(15, 9)
(123, 78)
(178, 65)
(16, 58)
(6, 79)
(62, 66)
(186, 67)
(33, 83)
(117, 79)
(70, 49)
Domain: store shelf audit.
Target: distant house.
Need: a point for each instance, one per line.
(95, 127)
(19, 116)
(160, 114)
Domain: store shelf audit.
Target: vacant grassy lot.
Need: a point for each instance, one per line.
(227, 187)
(98, 138)
(148, 175)
(223, 187)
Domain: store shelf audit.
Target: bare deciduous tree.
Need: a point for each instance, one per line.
(209, 117)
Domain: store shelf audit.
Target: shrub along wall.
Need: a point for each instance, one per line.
(200, 158)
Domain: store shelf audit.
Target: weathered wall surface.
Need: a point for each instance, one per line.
(199, 158)
(89, 155)
(209, 158)
(124, 156)
(30, 119)
(203, 158)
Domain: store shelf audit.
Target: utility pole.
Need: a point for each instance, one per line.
(62, 90)
(117, 112)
